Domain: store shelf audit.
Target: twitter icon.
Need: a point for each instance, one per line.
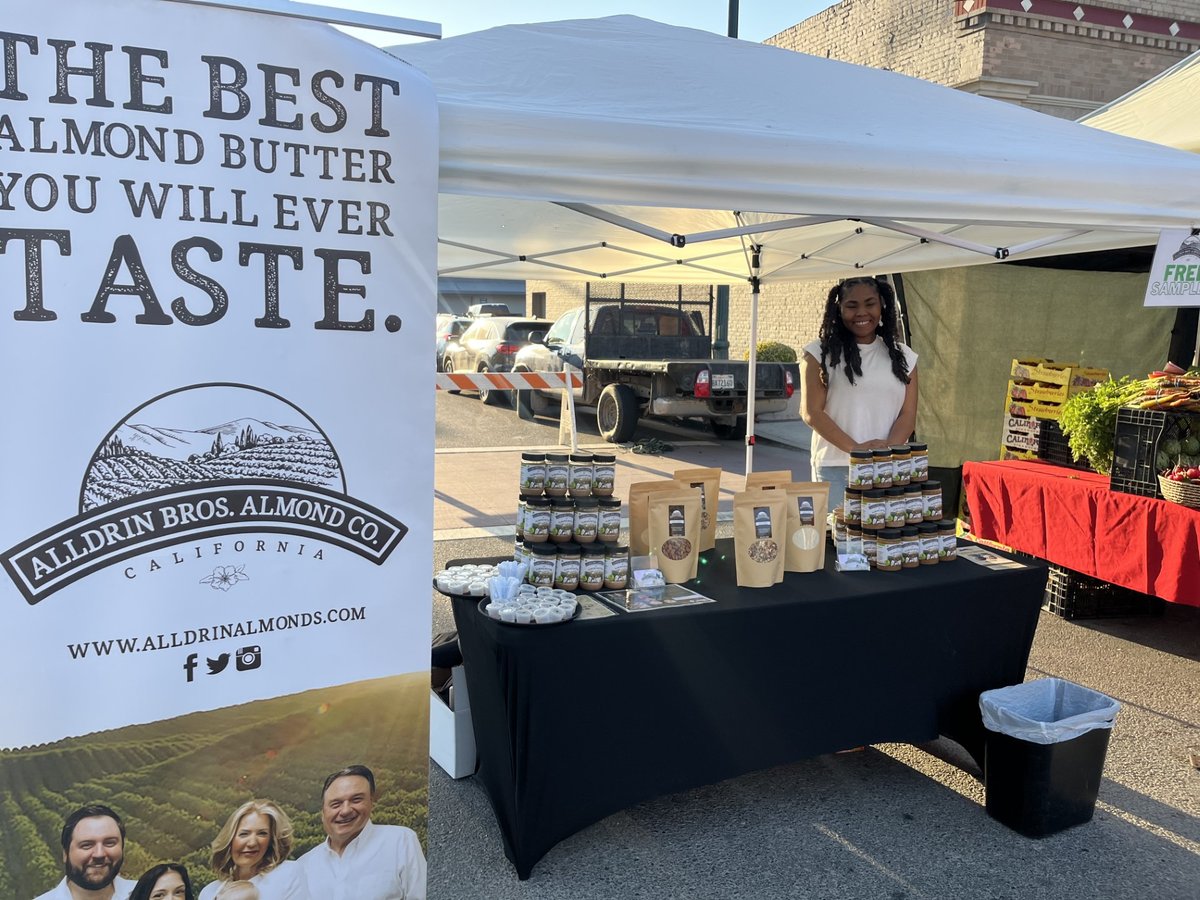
(217, 666)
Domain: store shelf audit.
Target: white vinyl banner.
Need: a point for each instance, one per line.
(1175, 273)
(217, 287)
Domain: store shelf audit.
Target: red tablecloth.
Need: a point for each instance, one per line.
(1072, 519)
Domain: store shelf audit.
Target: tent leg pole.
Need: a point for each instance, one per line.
(752, 373)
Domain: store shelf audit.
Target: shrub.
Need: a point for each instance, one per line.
(773, 351)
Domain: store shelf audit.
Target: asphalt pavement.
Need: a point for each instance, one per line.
(893, 821)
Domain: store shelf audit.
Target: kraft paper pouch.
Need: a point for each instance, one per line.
(709, 482)
(675, 533)
(639, 542)
(759, 536)
(807, 502)
(777, 479)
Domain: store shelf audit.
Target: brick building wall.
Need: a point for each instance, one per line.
(1063, 59)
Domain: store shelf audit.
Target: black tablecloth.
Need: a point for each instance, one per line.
(578, 721)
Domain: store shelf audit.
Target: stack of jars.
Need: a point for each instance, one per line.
(895, 510)
(568, 523)
(926, 544)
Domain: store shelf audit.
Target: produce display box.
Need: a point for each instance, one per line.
(1013, 453)
(1047, 393)
(1034, 409)
(1048, 371)
(1141, 447)
(1020, 441)
(1053, 447)
(1072, 595)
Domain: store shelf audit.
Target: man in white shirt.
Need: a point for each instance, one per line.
(361, 860)
(93, 845)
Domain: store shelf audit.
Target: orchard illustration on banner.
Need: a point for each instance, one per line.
(149, 486)
(217, 254)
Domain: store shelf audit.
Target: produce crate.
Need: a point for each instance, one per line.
(1073, 595)
(1141, 436)
(1048, 371)
(1013, 453)
(1046, 393)
(1053, 447)
(1027, 408)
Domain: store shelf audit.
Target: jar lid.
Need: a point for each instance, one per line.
(533, 457)
(947, 523)
(609, 502)
(587, 502)
(913, 487)
(916, 446)
(557, 457)
(593, 550)
(569, 548)
(874, 494)
(927, 527)
(622, 550)
(928, 485)
(891, 534)
(537, 501)
(902, 449)
(854, 529)
(897, 491)
(909, 530)
(561, 503)
(544, 549)
(880, 454)
(861, 454)
(581, 457)
(604, 457)
(854, 489)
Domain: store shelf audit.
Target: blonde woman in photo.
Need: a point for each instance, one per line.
(239, 890)
(254, 846)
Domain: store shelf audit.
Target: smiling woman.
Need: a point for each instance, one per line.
(254, 846)
(859, 381)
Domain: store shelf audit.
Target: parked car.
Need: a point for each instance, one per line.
(449, 327)
(488, 309)
(489, 345)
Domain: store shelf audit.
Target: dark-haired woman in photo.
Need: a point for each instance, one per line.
(166, 881)
(859, 381)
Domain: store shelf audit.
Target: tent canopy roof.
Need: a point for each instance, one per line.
(661, 139)
(1162, 110)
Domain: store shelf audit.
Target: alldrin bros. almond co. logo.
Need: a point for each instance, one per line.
(202, 462)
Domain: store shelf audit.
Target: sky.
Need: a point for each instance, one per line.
(757, 19)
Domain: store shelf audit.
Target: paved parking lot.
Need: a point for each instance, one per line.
(893, 821)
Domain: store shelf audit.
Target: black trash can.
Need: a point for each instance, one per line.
(1044, 752)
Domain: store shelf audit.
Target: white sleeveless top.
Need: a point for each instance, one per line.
(866, 409)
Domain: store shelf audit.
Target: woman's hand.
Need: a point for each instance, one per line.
(873, 445)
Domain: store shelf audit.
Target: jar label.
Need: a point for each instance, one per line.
(541, 572)
(557, 476)
(533, 475)
(862, 474)
(604, 477)
(537, 522)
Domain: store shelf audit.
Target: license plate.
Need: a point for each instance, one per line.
(722, 382)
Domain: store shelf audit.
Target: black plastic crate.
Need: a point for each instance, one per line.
(1140, 447)
(1073, 595)
(1053, 447)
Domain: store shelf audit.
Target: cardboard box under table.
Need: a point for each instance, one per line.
(451, 740)
(574, 722)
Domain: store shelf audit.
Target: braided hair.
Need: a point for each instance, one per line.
(838, 343)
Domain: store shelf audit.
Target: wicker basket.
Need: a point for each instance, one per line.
(1185, 493)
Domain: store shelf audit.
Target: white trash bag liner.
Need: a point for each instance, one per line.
(1047, 711)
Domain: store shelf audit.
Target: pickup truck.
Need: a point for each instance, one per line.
(649, 358)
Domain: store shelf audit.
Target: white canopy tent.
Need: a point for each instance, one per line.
(1162, 110)
(624, 148)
